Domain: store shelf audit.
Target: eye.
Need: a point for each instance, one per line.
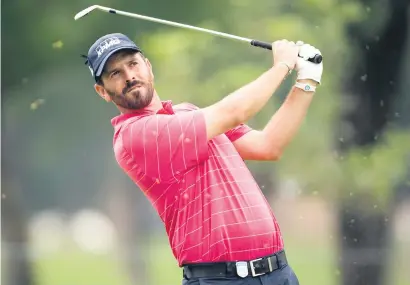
(114, 73)
(134, 62)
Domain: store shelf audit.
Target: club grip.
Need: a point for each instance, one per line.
(316, 59)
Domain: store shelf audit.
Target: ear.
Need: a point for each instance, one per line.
(102, 92)
(150, 67)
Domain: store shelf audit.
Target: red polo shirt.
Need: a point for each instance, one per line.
(209, 202)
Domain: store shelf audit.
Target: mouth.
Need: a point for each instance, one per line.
(133, 87)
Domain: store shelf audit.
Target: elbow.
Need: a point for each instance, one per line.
(274, 154)
(270, 153)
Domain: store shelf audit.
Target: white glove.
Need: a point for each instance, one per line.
(306, 69)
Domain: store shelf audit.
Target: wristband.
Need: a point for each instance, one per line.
(305, 87)
(287, 65)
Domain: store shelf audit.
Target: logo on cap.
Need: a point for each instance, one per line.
(106, 44)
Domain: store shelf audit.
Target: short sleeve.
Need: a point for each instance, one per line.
(237, 132)
(165, 146)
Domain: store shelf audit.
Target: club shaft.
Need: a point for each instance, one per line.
(175, 24)
(315, 59)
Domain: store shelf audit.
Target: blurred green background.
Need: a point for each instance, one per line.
(341, 192)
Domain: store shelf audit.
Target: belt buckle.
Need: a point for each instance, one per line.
(254, 274)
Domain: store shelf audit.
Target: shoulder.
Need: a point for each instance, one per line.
(130, 132)
(186, 106)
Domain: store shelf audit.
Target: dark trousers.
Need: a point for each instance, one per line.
(282, 276)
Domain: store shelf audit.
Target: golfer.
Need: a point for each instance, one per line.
(189, 161)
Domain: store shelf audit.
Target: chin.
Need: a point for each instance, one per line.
(145, 100)
(140, 104)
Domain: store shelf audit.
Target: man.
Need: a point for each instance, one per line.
(189, 161)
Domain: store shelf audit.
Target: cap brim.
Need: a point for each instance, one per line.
(102, 64)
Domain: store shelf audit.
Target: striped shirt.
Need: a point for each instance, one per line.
(209, 202)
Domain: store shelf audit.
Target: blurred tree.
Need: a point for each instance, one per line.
(57, 159)
(375, 155)
(16, 263)
(62, 141)
(32, 36)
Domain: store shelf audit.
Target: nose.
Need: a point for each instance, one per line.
(129, 76)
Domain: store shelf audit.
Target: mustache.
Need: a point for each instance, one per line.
(130, 85)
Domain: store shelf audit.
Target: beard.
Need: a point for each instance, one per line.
(135, 99)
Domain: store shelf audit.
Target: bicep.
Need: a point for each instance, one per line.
(253, 146)
(218, 120)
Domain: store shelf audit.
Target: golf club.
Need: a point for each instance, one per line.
(316, 59)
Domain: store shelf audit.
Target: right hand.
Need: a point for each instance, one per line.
(286, 52)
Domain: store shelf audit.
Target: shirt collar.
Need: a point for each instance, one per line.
(166, 109)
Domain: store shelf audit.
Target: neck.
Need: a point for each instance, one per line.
(155, 105)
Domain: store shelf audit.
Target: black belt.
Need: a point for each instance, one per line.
(242, 269)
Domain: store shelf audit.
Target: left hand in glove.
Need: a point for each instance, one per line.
(306, 69)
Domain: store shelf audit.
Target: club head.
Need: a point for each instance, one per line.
(85, 12)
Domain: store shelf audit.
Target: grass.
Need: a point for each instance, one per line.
(399, 265)
(73, 266)
(313, 264)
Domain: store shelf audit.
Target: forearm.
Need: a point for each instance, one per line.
(245, 102)
(242, 104)
(285, 123)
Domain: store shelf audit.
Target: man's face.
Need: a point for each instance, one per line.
(128, 80)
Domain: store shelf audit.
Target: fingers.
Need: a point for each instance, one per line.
(285, 51)
(289, 51)
(307, 51)
(280, 44)
(283, 42)
(286, 43)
